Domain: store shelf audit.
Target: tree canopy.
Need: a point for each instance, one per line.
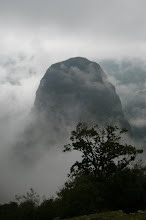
(106, 178)
(103, 150)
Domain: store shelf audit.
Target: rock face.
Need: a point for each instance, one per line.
(77, 90)
(72, 91)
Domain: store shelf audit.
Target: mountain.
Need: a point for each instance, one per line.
(72, 91)
(135, 111)
(78, 90)
(129, 77)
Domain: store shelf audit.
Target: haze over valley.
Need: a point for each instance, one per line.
(62, 63)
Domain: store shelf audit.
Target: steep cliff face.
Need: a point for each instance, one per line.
(77, 90)
(72, 91)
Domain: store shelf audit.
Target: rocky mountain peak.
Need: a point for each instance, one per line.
(77, 90)
(71, 91)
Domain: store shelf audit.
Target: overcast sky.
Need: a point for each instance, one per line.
(97, 28)
(36, 33)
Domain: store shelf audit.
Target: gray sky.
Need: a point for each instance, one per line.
(61, 29)
(36, 33)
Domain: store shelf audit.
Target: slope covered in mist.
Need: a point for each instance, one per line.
(129, 78)
(136, 113)
(68, 93)
(73, 91)
(78, 90)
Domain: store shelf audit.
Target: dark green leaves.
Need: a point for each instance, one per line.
(103, 152)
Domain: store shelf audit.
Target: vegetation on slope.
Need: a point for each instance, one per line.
(108, 178)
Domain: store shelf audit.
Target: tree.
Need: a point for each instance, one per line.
(28, 205)
(80, 196)
(31, 196)
(126, 190)
(46, 210)
(103, 151)
(9, 211)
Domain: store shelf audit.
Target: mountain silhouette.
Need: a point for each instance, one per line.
(72, 91)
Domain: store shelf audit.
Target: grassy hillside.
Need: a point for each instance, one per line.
(115, 215)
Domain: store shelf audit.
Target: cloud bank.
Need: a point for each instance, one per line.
(37, 33)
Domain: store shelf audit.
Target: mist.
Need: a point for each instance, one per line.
(43, 168)
(36, 34)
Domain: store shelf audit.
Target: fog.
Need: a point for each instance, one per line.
(36, 34)
(44, 170)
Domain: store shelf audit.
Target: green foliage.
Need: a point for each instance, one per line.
(107, 178)
(9, 211)
(113, 215)
(47, 209)
(31, 197)
(27, 210)
(80, 196)
(103, 152)
(126, 190)
(28, 205)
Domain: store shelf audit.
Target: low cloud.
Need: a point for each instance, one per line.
(19, 80)
(138, 122)
(127, 75)
(34, 35)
